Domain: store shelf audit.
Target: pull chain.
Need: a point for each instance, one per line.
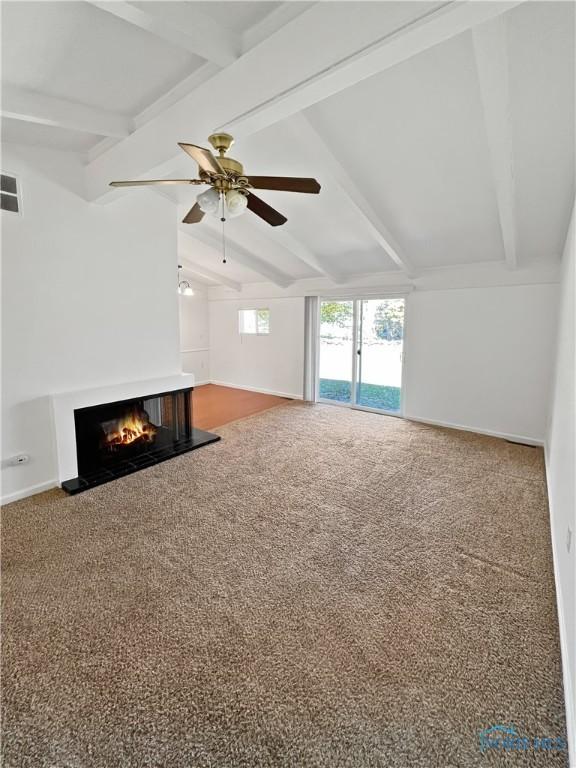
(223, 220)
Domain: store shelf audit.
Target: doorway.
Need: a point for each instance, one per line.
(360, 353)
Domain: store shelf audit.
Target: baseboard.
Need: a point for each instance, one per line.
(30, 491)
(33, 489)
(564, 645)
(489, 432)
(257, 389)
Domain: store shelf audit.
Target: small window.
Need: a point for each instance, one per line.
(9, 194)
(256, 321)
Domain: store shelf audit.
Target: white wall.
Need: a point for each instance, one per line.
(272, 363)
(477, 358)
(88, 299)
(194, 335)
(561, 471)
(481, 358)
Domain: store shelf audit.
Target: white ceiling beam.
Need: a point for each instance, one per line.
(177, 92)
(199, 276)
(298, 250)
(303, 253)
(186, 245)
(32, 107)
(379, 231)
(441, 23)
(205, 38)
(196, 277)
(491, 51)
(272, 22)
(181, 89)
(288, 72)
(236, 252)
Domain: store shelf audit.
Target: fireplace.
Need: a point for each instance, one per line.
(118, 438)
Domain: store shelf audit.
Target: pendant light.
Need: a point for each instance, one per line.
(184, 287)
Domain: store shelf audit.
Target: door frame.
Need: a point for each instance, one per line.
(356, 299)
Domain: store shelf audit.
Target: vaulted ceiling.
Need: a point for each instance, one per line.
(442, 133)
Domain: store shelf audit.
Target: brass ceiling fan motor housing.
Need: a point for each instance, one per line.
(222, 143)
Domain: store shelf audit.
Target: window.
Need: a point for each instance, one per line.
(9, 194)
(256, 321)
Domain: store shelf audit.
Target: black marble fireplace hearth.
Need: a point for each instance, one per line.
(116, 439)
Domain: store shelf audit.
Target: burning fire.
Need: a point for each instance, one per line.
(133, 426)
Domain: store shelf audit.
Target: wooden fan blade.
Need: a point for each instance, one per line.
(194, 215)
(145, 182)
(203, 157)
(285, 184)
(265, 211)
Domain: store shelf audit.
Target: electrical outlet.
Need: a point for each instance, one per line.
(569, 539)
(15, 461)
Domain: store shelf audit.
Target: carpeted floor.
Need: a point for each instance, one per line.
(323, 587)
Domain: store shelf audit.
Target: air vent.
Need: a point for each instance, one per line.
(9, 194)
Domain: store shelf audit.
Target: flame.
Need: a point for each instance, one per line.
(133, 426)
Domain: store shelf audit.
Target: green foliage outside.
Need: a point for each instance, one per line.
(336, 313)
(263, 320)
(389, 320)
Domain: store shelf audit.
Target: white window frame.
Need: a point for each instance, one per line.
(256, 332)
(355, 298)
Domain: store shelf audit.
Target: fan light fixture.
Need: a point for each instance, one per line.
(209, 201)
(230, 192)
(236, 203)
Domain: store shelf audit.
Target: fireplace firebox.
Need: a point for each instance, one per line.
(119, 438)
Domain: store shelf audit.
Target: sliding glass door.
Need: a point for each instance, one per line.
(381, 335)
(335, 369)
(360, 353)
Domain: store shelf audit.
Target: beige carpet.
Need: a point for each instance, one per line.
(323, 587)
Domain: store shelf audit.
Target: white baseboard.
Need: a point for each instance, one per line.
(30, 491)
(489, 432)
(33, 489)
(569, 694)
(257, 389)
(564, 647)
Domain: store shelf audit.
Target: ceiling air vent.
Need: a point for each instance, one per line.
(9, 194)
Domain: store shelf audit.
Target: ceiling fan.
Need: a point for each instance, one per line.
(230, 191)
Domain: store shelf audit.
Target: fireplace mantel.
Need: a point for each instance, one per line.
(65, 403)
